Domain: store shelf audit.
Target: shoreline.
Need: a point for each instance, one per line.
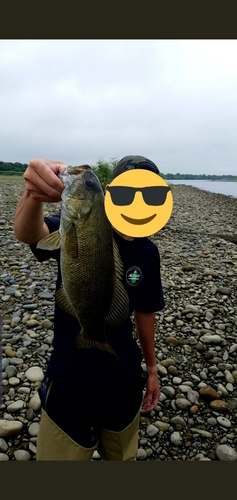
(208, 180)
(234, 196)
(221, 211)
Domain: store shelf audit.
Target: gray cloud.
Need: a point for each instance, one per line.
(174, 101)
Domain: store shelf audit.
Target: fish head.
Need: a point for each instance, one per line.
(81, 188)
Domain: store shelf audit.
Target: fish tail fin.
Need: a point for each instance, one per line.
(82, 342)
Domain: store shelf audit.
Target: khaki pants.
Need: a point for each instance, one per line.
(54, 444)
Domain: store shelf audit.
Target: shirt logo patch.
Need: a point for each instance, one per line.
(133, 275)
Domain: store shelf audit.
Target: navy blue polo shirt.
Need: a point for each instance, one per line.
(93, 371)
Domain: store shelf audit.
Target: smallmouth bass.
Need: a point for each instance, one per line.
(90, 262)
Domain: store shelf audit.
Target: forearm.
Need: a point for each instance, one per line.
(145, 326)
(146, 332)
(42, 185)
(29, 226)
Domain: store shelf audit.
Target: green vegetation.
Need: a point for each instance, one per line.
(7, 168)
(104, 168)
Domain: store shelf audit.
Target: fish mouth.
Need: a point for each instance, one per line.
(77, 171)
(138, 221)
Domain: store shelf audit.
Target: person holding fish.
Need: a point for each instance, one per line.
(108, 289)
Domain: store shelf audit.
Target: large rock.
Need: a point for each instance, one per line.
(219, 405)
(182, 403)
(226, 453)
(209, 392)
(211, 339)
(16, 406)
(21, 455)
(34, 374)
(10, 428)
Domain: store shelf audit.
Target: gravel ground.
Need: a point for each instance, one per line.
(196, 333)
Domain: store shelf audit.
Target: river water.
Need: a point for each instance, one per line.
(227, 188)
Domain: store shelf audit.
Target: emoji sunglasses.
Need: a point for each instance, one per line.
(152, 195)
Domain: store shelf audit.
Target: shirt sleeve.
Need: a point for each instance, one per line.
(53, 223)
(151, 298)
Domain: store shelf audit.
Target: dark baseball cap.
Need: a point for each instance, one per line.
(131, 162)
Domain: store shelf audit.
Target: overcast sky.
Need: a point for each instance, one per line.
(78, 101)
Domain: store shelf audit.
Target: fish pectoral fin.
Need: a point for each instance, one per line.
(119, 308)
(63, 301)
(82, 342)
(50, 242)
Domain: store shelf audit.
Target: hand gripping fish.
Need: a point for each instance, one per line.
(90, 262)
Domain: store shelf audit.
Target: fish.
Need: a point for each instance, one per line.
(90, 262)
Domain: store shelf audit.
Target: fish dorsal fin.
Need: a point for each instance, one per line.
(119, 308)
(63, 301)
(50, 242)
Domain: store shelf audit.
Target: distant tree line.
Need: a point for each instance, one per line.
(209, 177)
(103, 170)
(7, 168)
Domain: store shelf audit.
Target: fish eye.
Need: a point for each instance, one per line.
(93, 184)
(89, 183)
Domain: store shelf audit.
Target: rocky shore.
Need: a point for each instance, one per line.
(196, 333)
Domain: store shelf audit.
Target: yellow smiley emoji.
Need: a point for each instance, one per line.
(138, 203)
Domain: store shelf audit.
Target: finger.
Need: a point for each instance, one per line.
(150, 405)
(147, 407)
(56, 166)
(44, 198)
(51, 182)
(42, 176)
(149, 401)
(48, 172)
(38, 195)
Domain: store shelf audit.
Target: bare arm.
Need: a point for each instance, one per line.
(42, 184)
(29, 225)
(146, 332)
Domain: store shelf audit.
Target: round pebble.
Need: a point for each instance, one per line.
(141, 454)
(3, 445)
(34, 374)
(225, 422)
(182, 403)
(33, 429)
(21, 455)
(226, 453)
(16, 406)
(176, 439)
(152, 430)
